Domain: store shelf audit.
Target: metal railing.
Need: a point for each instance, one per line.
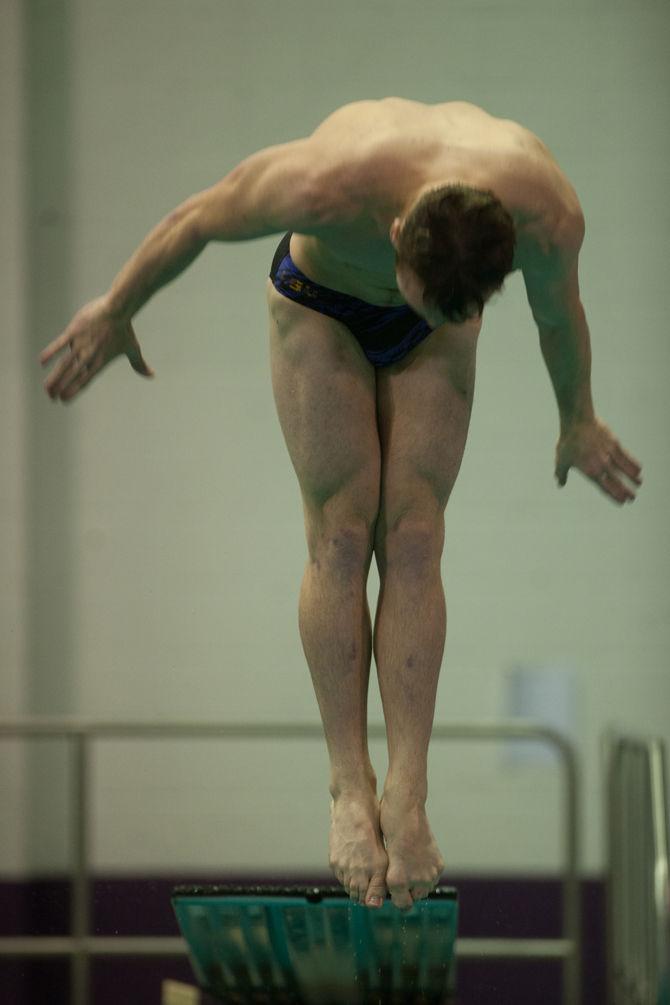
(638, 894)
(80, 946)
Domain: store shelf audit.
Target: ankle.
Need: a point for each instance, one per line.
(349, 784)
(408, 790)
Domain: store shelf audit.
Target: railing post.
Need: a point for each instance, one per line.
(659, 785)
(80, 893)
(572, 921)
(638, 913)
(612, 822)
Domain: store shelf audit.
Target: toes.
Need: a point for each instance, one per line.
(425, 886)
(376, 891)
(405, 894)
(356, 893)
(356, 886)
(420, 889)
(420, 892)
(370, 893)
(350, 888)
(401, 897)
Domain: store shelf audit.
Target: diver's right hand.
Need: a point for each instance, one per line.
(93, 338)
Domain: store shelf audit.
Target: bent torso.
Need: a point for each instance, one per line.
(373, 158)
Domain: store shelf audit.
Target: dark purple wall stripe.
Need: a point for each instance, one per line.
(491, 906)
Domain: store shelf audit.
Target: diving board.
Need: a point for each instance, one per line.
(310, 945)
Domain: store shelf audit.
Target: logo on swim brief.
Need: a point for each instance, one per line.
(296, 285)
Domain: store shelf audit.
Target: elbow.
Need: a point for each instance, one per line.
(565, 315)
(186, 223)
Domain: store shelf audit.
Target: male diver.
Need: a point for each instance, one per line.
(401, 220)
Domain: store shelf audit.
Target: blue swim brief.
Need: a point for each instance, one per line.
(385, 334)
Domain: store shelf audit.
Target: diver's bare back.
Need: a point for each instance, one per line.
(375, 155)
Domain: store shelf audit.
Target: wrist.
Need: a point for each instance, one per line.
(578, 415)
(116, 306)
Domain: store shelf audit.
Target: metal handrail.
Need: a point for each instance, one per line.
(81, 946)
(638, 886)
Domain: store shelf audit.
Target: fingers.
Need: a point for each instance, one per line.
(72, 372)
(600, 457)
(54, 347)
(141, 367)
(78, 383)
(62, 375)
(562, 473)
(607, 479)
(613, 487)
(617, 463)
(138, 362)
(67, 379)
(627, 463)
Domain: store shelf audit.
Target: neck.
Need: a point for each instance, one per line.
(461, 179)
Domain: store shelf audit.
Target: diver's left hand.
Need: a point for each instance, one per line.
(591, 447)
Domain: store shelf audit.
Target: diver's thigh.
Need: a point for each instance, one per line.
(325, 393)
(423, 407)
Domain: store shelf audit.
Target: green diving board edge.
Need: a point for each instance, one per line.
(313, 893)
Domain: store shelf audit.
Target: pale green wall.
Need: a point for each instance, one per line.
(178, 585)
(13, 452)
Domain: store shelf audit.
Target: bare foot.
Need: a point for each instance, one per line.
(415, 862)
(356, 849)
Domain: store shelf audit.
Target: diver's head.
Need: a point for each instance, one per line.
(454, 247)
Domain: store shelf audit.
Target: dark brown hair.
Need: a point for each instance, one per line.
(460, 243)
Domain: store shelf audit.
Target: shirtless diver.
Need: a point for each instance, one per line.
(401, 220)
